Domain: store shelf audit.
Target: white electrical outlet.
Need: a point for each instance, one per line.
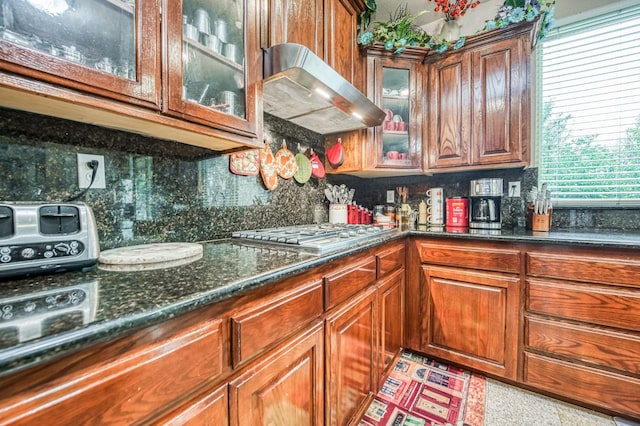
(85, 172)
(514, 189)
(391, 198)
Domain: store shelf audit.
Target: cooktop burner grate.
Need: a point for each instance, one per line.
(319, 238)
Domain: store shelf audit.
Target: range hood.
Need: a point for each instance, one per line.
(300, 87)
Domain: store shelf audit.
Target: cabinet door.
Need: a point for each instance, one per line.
(293, 21)
(450, 112)
(350, 357)
(209, 410)
(341, 28)
(471, 318)
(105, 47)
(392, 318)
(285, 388)
(212, 64)
(500, 103)
(396, 89)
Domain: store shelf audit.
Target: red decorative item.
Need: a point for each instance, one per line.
(335, 155)
(454, 9)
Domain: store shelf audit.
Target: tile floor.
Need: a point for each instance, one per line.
(510, 406)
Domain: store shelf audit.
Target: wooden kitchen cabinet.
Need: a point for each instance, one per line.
(293, 21)
(391, 304)
(479, 103)
(286, 388)
(211, 409)
(394, 83)
(108, 48)
(125, 65)
(468, 304)
(351, 337)
(582, 327)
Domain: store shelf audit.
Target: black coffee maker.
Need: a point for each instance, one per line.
(486, 199)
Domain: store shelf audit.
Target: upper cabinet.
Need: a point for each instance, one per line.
(212, 70)
(118, 63)
(466, 109)
(94, 46)
(293, 21)
(479, 103)
(394, 83)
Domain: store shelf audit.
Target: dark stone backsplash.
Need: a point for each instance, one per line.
(160, 191)
(155, 190)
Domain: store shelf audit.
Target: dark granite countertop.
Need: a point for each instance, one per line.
(115, 303)
(119, 302)
(583, 237)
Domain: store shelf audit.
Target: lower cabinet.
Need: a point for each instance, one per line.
(391, 296)
(471, 318)
(351, 336)
(285, 388)
(467, 303)
(582, 326)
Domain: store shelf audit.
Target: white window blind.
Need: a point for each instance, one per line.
(589, 111)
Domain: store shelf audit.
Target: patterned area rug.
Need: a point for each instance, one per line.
(421, 392)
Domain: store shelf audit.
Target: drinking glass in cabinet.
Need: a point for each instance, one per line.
(99, 34)
(213, 54)
(395, 102)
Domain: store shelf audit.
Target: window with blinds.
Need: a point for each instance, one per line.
(589, 111)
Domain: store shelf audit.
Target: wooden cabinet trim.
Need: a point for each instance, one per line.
(212, 406)
(255, 329)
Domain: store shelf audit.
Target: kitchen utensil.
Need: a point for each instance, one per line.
(230, 51)
(245, 163)
(286, 164)
(329, 194)
(191, 32)
(317, 168)
(335, 154)
(202, 21)
(268, 167)
(221, 30)
(214, 43)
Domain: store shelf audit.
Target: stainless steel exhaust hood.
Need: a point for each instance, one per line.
(301, 88)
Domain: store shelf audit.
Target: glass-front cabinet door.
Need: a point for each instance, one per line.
(213, 64)
(397, 141)
(107, 47)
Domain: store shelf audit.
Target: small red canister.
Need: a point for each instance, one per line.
(458, 211)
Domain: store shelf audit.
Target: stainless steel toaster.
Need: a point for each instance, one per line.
(38, 238)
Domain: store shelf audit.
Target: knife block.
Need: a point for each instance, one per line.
(538, 222)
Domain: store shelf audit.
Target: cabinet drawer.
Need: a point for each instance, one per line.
(607, 348)
(390, 260)
(131, 388)
(584, 268)
(603, 389)
(273, 319)
(470, 256)
(596, 304)
(348, 281)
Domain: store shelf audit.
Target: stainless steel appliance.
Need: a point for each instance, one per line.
(317, 238)
(46, 237)
(301, 88)
(486, 200)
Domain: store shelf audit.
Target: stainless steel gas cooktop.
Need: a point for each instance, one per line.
(321, 238)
